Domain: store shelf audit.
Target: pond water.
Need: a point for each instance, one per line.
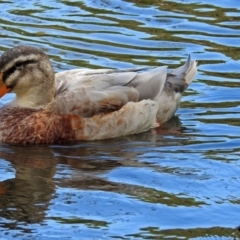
(182, 183)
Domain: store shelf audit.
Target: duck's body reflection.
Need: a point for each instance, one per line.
(27, 197)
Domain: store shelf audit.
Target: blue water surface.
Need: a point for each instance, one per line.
(181, 183)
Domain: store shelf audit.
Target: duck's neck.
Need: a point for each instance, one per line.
(35, 98)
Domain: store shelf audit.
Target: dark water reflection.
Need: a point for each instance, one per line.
(180, 182)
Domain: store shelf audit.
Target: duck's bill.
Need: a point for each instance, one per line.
(3, 88)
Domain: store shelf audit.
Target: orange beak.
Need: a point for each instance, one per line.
(3, 88)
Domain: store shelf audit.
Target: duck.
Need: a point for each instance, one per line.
(84, 104)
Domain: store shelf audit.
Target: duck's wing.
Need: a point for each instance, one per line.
(88, 92)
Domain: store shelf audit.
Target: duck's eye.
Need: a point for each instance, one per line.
(18, 64)
(10, 71)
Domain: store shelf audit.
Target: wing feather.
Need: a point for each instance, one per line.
(89, 92)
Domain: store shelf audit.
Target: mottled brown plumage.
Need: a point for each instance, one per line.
(83, 104)
(35, 126)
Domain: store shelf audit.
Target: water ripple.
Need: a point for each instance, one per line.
(178, 183)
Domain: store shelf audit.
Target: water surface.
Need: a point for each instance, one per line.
(181, 183)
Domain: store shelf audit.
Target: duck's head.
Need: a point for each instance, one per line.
(27, 72)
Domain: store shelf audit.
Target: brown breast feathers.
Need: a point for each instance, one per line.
(29, 126)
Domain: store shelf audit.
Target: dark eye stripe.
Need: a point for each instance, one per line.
(7, 73)
(11, 70)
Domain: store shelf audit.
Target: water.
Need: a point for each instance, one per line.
(179, 184)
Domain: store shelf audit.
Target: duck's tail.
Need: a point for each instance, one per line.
(181, 77)
(177, 81)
